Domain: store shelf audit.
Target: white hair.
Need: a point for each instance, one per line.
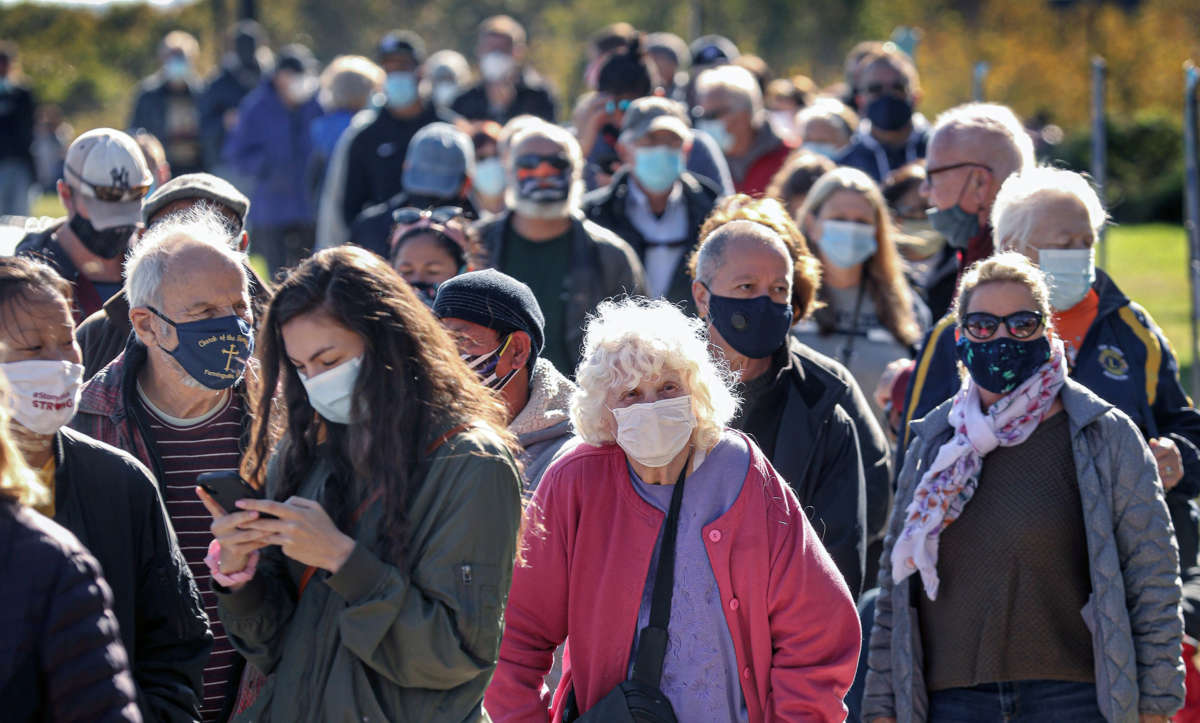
(349, 81)
(827, 109)
(1006, 145)
(734, 80)
(635, 340)
(449, 60)
(1017, 205)
(147, 268)
(562, 137)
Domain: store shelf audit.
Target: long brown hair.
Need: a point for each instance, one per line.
(885, 280)
(412, 388)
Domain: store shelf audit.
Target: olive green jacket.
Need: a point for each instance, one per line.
(381, 643)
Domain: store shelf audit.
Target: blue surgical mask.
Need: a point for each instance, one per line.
(444, 93)
(847, 244)
(1001, 365)
(658, 167)
(332, 391)
(212, 351)
(755, 328)
(177, 69)
(822, 149)
(715, 127)
(489, 176)
(400, 89)
(1070, 274)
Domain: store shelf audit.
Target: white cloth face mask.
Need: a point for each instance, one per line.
(332, 391)
(654, 432)
(43, 394)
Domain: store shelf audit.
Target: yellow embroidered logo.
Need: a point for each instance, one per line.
(1112, 360)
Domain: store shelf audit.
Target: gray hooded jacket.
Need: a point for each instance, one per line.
(1133, 612)
(544, 425)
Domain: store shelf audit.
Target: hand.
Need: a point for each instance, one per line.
(1170, 462)
(303, 532)
(1151, 718)
(237, 540)
(883, 390)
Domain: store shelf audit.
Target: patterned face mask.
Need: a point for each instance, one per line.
(1001, 365)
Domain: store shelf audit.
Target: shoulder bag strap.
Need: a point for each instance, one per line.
(652, 642)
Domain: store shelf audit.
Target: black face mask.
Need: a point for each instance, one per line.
(107, 244)
(889, 113)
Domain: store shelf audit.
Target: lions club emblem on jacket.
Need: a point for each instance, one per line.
(1113, 362)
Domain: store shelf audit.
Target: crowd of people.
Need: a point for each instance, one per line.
(431, 465)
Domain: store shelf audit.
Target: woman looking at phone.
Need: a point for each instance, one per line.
(377, 593)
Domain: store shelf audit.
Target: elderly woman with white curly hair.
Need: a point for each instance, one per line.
(759, 624)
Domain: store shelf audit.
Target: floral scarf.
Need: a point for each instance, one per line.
(951, 480)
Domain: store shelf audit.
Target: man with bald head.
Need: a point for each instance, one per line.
(972, 150)
(543, 239)
(754, 278)
(175, 398)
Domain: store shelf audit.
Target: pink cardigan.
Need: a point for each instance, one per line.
(794, 626)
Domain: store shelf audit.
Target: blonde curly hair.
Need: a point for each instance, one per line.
(632, 340)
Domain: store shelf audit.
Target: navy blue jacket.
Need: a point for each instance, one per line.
(271, 144)
(877, 160)
(1127, 361)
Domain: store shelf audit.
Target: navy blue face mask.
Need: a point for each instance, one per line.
(1001, 365)
(889, 113)
(213, 351)
(755, 328)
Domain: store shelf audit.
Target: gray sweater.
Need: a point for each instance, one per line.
(1133, 613)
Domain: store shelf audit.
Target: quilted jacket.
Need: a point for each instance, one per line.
(1133, 611)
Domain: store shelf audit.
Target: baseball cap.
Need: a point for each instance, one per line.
(296, 58)
(653, 113)
(713, 49)
(108, 173)
(440, 157)
(200, 187)
(403, 41)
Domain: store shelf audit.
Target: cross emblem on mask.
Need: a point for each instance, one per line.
(230, 354)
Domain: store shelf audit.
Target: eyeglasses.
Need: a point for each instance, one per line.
(121, 193)
(931, 172)
(896, 88)
(613, 106)
(411, 215)
(530, 161)
(1020, 324)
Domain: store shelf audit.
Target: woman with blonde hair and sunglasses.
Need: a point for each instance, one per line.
(1031, 514)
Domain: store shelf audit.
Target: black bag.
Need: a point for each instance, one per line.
(639, 699)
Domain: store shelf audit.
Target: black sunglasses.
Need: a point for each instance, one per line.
(881, 88)
(410, 215)
(1020, 324)
(931, 172)
(530, 161)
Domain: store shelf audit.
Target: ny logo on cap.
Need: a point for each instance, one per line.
(120, 177)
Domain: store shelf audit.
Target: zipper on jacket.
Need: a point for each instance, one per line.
(465, 573)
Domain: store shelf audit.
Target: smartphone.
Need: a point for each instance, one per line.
(227, 488)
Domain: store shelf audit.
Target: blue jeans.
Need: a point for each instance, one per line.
(1025, 701)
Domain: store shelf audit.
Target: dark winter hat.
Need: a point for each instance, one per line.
(495, 300)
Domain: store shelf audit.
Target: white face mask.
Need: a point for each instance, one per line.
(496, 66)
(654, 432)
(715, 127)
(1070, 274)
(44, 394)
(332, 391)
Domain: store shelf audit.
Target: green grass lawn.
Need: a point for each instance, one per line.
(1150, 264)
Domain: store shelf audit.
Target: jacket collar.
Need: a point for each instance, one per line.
(549, 401)
(1111, 296)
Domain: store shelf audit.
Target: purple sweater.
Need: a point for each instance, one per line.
(700, 671)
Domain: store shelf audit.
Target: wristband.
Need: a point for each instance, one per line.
(213, 560)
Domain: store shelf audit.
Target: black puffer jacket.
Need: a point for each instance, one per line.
(60, 656)
(109, 501)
